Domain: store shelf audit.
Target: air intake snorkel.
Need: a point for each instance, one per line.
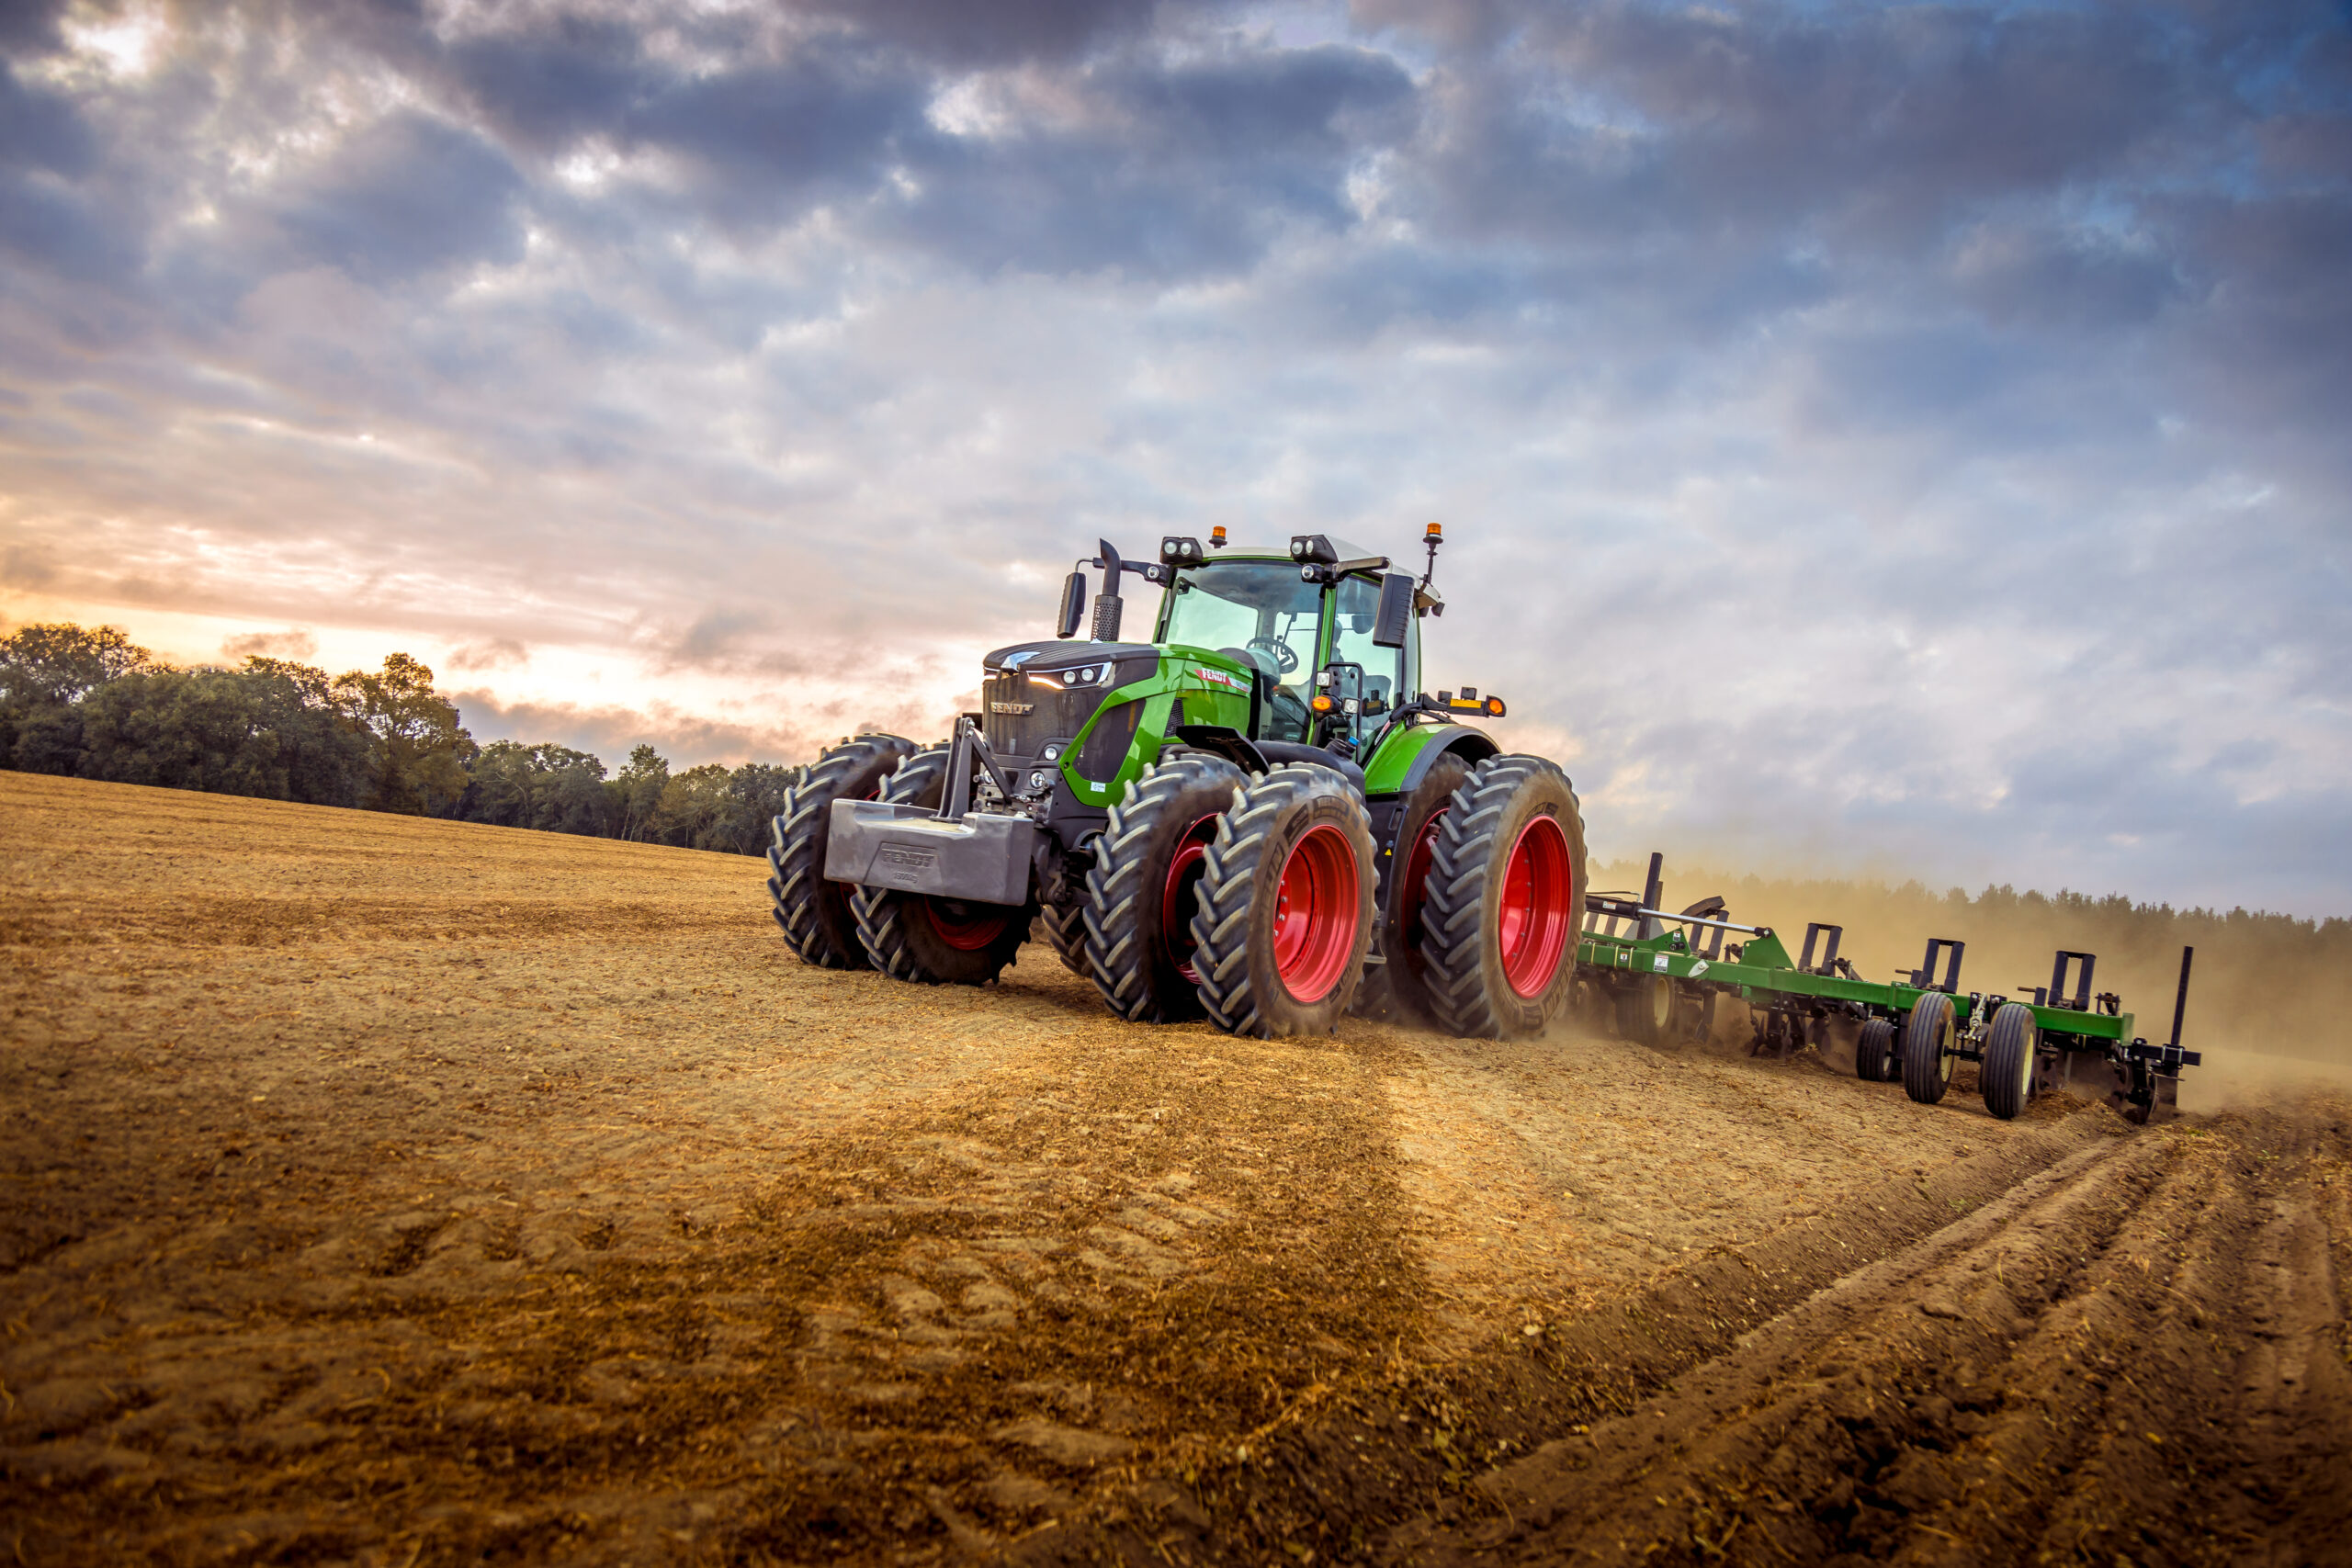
(1108, 605)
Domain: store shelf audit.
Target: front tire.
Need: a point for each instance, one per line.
(2007, 1071)
(1142, 894)
(817, 922)
(1928, 1048)
(1285, 905)
(929, 939)
(1505, 900)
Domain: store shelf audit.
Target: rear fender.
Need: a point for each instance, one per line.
(1407, 753)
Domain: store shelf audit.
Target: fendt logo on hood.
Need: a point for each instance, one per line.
(1220, 677)
(1012, 707)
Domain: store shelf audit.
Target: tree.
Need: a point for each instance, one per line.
(45, 664)
(230, 732)
(421, 749)
(45, 670)
(694, 812)
(545, 787)
(755, 796)
(636, 793)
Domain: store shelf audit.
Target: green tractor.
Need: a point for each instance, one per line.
(1254, 816)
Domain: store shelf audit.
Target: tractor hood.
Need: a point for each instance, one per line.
(1129, 661)
(1054, 655)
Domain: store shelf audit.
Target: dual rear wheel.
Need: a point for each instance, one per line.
(1255, 901)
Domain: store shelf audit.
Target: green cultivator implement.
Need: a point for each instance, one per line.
(1258, 817)
(1255, 818)
(1663, 976)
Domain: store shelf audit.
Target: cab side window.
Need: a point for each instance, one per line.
(1356, 610)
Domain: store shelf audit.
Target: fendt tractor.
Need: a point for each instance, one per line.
(1255, 816)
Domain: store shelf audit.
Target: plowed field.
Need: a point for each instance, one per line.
(387, 1191)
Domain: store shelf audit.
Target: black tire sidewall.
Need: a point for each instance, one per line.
(827, 934)
(1872, 1050)
(1206, 792)
(1542, 791)
(1926, 1042)
(2008, 1081)
(1241, 988)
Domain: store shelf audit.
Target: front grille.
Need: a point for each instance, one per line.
(1106, 747)
(1052, 714)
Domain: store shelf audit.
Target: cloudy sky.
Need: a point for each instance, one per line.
(1905, 438)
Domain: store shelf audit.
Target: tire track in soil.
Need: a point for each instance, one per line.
(2137, 1355)
(1392, 1457)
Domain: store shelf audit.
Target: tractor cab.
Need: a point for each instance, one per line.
(1305, 620)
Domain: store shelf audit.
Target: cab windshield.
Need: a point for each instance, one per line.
(1264, 612)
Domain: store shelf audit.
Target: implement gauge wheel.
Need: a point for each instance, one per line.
(1505, 900)
(1646, 1010)
(1928, 1055)
(934, 942)
(1874, 1052)
(2010, 1045)
(815, 914)
(1136, 917)
(1399, 988)
(1284, 904)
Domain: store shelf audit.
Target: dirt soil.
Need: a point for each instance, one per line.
(387, 1191)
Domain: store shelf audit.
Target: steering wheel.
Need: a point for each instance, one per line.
(1286, 657)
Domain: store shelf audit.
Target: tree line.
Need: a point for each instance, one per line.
(87, 702)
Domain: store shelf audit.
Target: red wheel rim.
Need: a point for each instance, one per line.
(1315, 914)
(966, 928)
(1177, 896)
(1536, 911)
(1414, 893)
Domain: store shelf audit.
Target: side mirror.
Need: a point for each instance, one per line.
(1073, 605)
(1395, 618)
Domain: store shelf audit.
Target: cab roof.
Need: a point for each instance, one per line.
(1346, 549)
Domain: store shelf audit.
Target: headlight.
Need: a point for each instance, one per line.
(1037, 781)
(1085, 675)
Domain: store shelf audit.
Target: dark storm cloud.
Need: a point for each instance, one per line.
(1177, 170)
(405, 196)
(953, 32)
(1955, 393)
(30, 27)
(544, 90)
(1873, 122)
(40, 129)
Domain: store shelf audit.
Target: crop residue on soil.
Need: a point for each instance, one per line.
(390, 1190)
